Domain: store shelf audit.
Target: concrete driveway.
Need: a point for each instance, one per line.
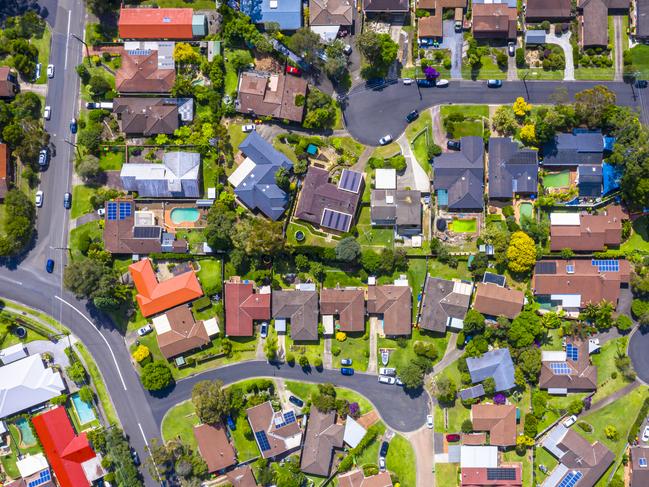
(564, 42)
(414, 176)
(454, 42)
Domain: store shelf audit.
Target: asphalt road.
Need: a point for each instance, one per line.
(638, 346)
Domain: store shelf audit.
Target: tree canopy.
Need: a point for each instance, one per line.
(521, 253)
(211, 401)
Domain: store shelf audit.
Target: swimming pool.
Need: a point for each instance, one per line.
(84, 410)
(184, 215)
(26, 434)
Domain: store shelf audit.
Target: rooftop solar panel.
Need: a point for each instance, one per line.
(111, 212)
(336, 220)
(546, 267)
(42, 478)
(572, 352)
(642, 462)
(501, 474)
(350, 181)
(147, 232)
(571, 479)
(289, 417)
(494, 278)
(262, 440)
(560, 368)
(606, 265)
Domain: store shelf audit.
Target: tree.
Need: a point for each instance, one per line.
(528, 135)
(379, 51)
(302, 262)
(317, 270)
(446, 390)
(88, 168)
(98, 86)
(592, 105)
(412, 376)
(240, 59)
(183, 86)
(220, 225)
(531, 425)
(575, 407)
(185, 54)
(76, 372)
(371, 261)
(623, 323)
(504, 121)
(521, 253)
(467, 426)
(303, 361)
(211, 401)
(86, 394)
(283, 179)
(321, 110)
(474, 323)
(156, 376)
(336, 64)
(306, 44)
(611, 432)
(258, 236)
(348, 250)
(489, 386)
(529, 361)
(567, 253)
(525, 328)
(102, 7)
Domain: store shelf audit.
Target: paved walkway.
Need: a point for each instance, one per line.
(422, 442)
(371, 366)
(414, 177)
(564, 41)
(619, 48)
(327, 359)
(450, 355)
(512, 72)
(362, 160)
(439, 134)
(610, 399)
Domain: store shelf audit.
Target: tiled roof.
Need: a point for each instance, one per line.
(593, 233)
(146, 116)
(548, 10)
(582, 376)
(4, 170)
(243, 306)
(8, 83)
(395, 304)
(322, 435)
(271, 95)
(242, 477)
(356, 478)
(331, 12)
(512, 170)
(139, 73)
(119, 234)
(443, 300)
(155, 23)
(494, 20)
(498, 419)
(214, 446)
(184, 334)
(264, 420)
(301, 308)
(493, 300)
(639, 474)
(347, 304)
(493, 477)
(461, 174)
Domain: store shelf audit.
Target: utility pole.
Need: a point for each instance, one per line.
(85, 44)
(525, 84)
(75, 146)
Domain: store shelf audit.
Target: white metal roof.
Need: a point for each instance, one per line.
(211, 327)
(240, 173)
(328, 324)
(13, 353)
(565, 219)
(354, 432)
(32, 464)
(385, 179)
(479, 457)
(161, 324)
(553, 356)
(567, 300)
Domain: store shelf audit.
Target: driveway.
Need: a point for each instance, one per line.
(414, 177)
(619, 58)
(564, 42)
(422, 442)
(57, 350)
(453, 41)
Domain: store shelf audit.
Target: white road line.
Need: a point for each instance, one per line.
(12, 281)
(142, 431)
(67, 40)
(100, 334)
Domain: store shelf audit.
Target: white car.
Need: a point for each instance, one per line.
(50, 71)
(144, 330)
(570, 421)
(47, 113)
(384, 379)
(382, 464)
(38, 71)
(407, 81)
(101, 211)
(441, 83)
(247, 128)
(429, 421)
(645, 434)
(385, 140)
(387, 371)
(39, 198)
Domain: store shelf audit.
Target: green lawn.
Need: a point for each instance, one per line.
(473, 123)
(43, 46)
(110, 160)
(488, 70)
(336, 277)
(348, 144)
(401, 460)
(371, 236)
(525, 460)
(81, 200)
(464, 226)
(447, 474)
(457, 413)
(403, 356)
(640, 57)
(179, 422)
(355, 347)
(543, 457)
(469, 111)
(92, 229)
(243, 439)
(387, 151)
(418, 134)
(557, 407)
(639, 239)
(210, 275)
(370, 455)
(312, 350)
(437, 269)
(557, 180)
(236, 135)
(98, 383)
(313, 237)
(285, 149)
(605, 362)
(540, 73)
(304, 391)
(95, 71)
(606, 74)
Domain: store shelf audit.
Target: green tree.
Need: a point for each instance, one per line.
(306, 44)
(270, 347)
(220, 225)
(283, 179)
(348, 250)
(317, 270)
(529, 362)
(211, 401)
(489, 386)
(303, 361)
(592, 105)
(531, 425)
(412, 376)
(504, 121)
(76, 372)
(623, 323)
(467, 426)
(258, 236)
(86, 394)
(302, 262)
(474, 323)
(88, 168)
(379, 51)
(156, 376)
(371, 261)
(521, 253)
(524, 329)
(446, 390)
(575, 407)
(567, 253)
(98, 86)
(240, 59)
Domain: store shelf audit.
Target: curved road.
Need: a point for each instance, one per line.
(638, 347)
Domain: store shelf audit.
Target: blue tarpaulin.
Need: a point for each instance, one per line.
(608, 143)
(611, 176)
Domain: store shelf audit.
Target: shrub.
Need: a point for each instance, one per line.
(639, 308)
(303, 361)
(317, 363)
(341, 336)
(141, 353)
(335, 351)
(156, 376)
(467, 426)
(623, 323)
(290, 358)
(425, 349)
(611, 432)
(585, 426)
(575, 407)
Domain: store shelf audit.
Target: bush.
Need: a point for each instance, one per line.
(585, 426)
(290, 358)
(576, 407)
(303, 361)
(639, 308)
(520, 57)
(425, 349)
(369, 437)
(141, 353)
(335, 351)
(467, 426)
(156, 376)
(341, 336)
(398, 163)
(317, 363)
(623, 323)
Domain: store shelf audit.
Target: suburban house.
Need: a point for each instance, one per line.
(494, 20)
(496, 364)
(513, 171)
(374, 8)
(459, 176)
(178, 332)
(13, 353)
(639, 466)
(214, 447)
(276, 432)
(329, 205)
(639, 19)
(398, 208)
(254, 179)
(593, 20)
(152, 116)
(300, 307)
(444, 304)
(568, 370)
(348, 305)
(498, 419)
(582, 232)
(572, 284)
(472, 456)
(356, 478)
(177, 177)
(271, 95)
(27, 383)
(551, 10)
(73, 460)
(154, 296)
(34, 472)
(328, 17)
(505, 475)
(287, 14)
(323, 435)
(393, 306)
(161, 23)
(147, 67)
(430, 27)
(244, 304)
(9, 86)
(5, 170)
(580, 463)
(242, 477)
(493, 300)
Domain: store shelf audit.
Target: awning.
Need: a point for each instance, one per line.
(328, 33)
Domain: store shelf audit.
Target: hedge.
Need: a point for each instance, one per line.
(642, 414)
(369, 437)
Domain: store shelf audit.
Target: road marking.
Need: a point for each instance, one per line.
(67, 40)
(100, 334)
(142, 431)
(12, 281)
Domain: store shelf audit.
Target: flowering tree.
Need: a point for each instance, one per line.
(431, 73)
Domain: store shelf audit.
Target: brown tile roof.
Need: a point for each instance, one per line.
(301, 308)
(331, 12)
(185, 334)
(356, 478)
(594, 29)
(348, 305)
(322, 435)
(155, 23)
(475, 439)
(243, 306)
(539, 10)
(582, 377)
(140, 74)
(594, 233)
(479, 476)
(639, 475)
(375, 6)
(271, 95)
(242, 477)
(443, 301)
(440, 4)
(395, 304)
(288, 437)
(8, 87)
(493, 300)
(494, 20)
(578, 454)
(498, 419)
(119, 235)
(4, 170)
(430, 26)
(146, 116)
(214, 446)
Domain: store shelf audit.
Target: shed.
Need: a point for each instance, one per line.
(535, 37)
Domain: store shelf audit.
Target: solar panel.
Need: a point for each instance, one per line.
(494, 278)
(572, 352)
(124, 210)
(336, 220)
(42, 478)
(112, 211)
(350, 181)
(501, 474)
(545, 267)
(570, 269)
(642, 462)
(289, 417)
(571, 479)
(262, 440)
(606, 265)
(560, 368)
(147, 232)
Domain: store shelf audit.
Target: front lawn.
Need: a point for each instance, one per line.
(463, 226)
(305, 390)
(469, 111)
(447, 474)
(91, 229)
(356, 347)
(312, 350)
(419, 133)
(557, 407)
(606, 74)
(387, 151)
(402, 356)
(111, 160)
(472, 123)
(640, 57)
(81, 200)
(179, 422)
(487, 70)
(639, 239)
(401, 460)
(95, 71)
(605, 362)
(540, 73)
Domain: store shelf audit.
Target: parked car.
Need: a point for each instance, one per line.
(295, 400)
(399, 382)
(47, 113)
(346, 371)
(388, 371)
(293, 70)
(441, 83)
(248, 128)
(90, 105)
(231, 424)
(645, 434)
(425, 83)
(347, 50)
(407, 81)
(511, 49)
(384, 449)
(412, 116)
(345, 361)
(452, 437)
(382, 464)
(570, 421)
(385, 140)
(385, 379)
(494, 83)
(429, 421)
(453, 144)
(641, 83)
(67, 201)
(50, 71)
(263, 331)
(49, 266)
(458, 26)
(39, 198)
(37, 74)
(136, 457)
(73, 125)
(146, 329)
(43, 157)
(101, 211)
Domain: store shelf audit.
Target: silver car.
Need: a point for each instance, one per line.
(384, 379)
(385, 140)
(47, 113)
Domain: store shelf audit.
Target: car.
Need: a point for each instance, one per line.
(145, 330)
(441, 83)
(263, 331)
(345, 361)
(73, 125)
(383, 452)
(50, 71)
(641, 83)
(385, 140)
(382, 464)
(39, 198)
(429, 421)
(425, 83)
(92, 105)
(458, 26)
(67, 201)
(346, 371)
(511, 49)
(37, 74)
(645, 433)
(136, 457)
(347, 50)
(412, 116)
(248, 128)
(399, 382)
(385, 379)
(570, 421)
(47, 113)
(43, 157)
(293, 70)
(296, 400)
(452, 437)
(49, 266)
(407, 81)
(494, 83)
(453, 144)
(231, 424)
(101, 211)
(388, 371)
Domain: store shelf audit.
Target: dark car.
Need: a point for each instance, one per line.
(494, 83)
(452, 438)
(49, 266)
(136, 457)
(231, 423)
(346, 371)
(67, 201)
(641, 83)
(384, 449)
(511, 49)
(412, 116)
(453, 144)
(91, 105)
(425, 83)
(73, 125)
(296, 400)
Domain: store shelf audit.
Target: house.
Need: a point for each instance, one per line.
(287, 14)
(5, 170)
(430, 28)
(474, 439)
(505, 475)
(639, 466)
(328, 17)
(348, 305)
(271, 95)
(244, 305)
(9, 86)
(580, 462)
(582, 232)
(593, 20)
(393, 306)
(444, 304)
(639, 18)
(494, 20)
(154, 296)
(178, 332)
(177, 177)
(459, 176)
(13, 353)
(398, 208)
(34, 471)
(214, 446)
(160, 23)
(300, 306)
(394, 7)
(572, 284)
(276, 432)
(513, 171)
(147, 67)
(73, 460)
(572, 150)
(496, 364)
(498, 419)
(329, 205)
(254, 179)
(322, 436)
(551, 10)
(27, 383)
(568, 370)
(242, 477)
(478, 456)
(356, 478)
(147, 116)
(493, 300)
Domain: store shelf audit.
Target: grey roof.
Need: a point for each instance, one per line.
(177, 176)
(440, 304)
(472, 392)
(301, 307)
(574, 149)
(497, 364)
(512, 170)
(399, 207)
(461, 174)
(590, 180)
(535, 37)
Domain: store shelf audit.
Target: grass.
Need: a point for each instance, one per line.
(418, 134)
(437, 269)
(488, 70)
(110, 160)
(355, 347)
(312, 350)
(639, 239)
(349, 145)
(640, 58)
(179, 422)
(98, 383)
(527, 209)
(582, 73)
(313, 237)
(512, 457)
(557, 407)
(469, 111)
(9, 461)
(336, 277)
(304, 391)
(236, 135)
(464, 226)
(387, 151)
(231, 75)
(543, 457)
(92, 229)
(457, 413)
(95, 71)
(210, 275)
(557, 180)
(446, 474)
(605, 362)
(540, 73)
(370, 236)
(43, 46)
(403, 356)
(285, 149)
(371, 453)
(473, 123)
(81, 200)
(401, 460)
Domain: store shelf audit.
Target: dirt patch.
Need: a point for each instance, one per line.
(368, 419)
(267, 63)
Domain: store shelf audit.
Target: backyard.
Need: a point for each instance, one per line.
(557, 180)
(464, 225)
(370, 236)
(639, 239)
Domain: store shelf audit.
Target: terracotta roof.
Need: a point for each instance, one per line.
(493, 300)
(594, 233)
(155, 297)
(356, 478)
(330, 12)
(271, 95)
(243, 306)
(323, 434)
(146, 116)
(548, 10)
(119, 234)
(474, 439)
(498, 419)
(8, 86)
(582, 376)
(139, 73)
(242, 477)
(395, 304)
(494, 20)
(347, 304)
(480, 476)
(301, 308)
(185, 333)
(639, 475)
(443, 301)
(430, 26)
(4, 170)
(441, 4)
(155, 23)
(280, 440)
(214, 446)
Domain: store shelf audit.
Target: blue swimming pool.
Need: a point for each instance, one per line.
(26, 434)
(84, 410)
(184, 215)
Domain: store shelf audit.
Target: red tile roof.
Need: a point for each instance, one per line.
(155, 23)
(65, 450)
(242, 306)
(4, 170)
(498, 419)
(214, 446)
(155, 297)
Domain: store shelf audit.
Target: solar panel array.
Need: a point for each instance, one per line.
(501, 474)
(572, 352)
(147, 232)
(606, 265)
(545, 267)
(111, 211)
(42, 478)
(560, 368)
(570, 269)
(571, 479)
(494, 279)
(642, 462)
(262, 439)
(139, 52)
(287, 418)
(350, 181)
(336, 220)
(124, 210)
